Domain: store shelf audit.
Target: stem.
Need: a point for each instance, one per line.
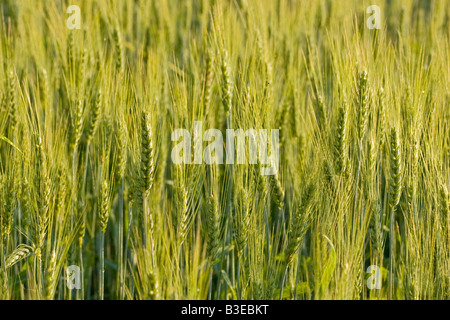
(130, 218)
(210, 284)
(357, 184)
(145, 222)
(82, 273)
(120, 242)
(83, 194)
(239, 289)
(297, 273)
(74, 197)
(266, 219)
(102, 267)
(391, 254)
(283, 280)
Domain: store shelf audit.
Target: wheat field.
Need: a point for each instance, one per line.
(93, 206)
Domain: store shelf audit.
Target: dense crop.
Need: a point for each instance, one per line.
(87, 176)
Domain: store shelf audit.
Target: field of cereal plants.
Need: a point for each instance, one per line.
(100, 199)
